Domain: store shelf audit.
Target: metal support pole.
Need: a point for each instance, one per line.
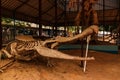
(0, 27)
(55, 18)
(119, 27)
(119, 20)
(40, 18)
(103, 19)
(65, 17)
(83, 25)
(14, 30)
(78, 9)
(86, 53)
(53, 31)
(78, 5)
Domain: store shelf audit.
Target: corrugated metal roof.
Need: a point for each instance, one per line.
(28, 10)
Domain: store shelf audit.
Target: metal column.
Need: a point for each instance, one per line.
(55, 24)
(103, 18)
(0, 27)
(40, 18)
(65, 18)
(14, 34)
(83, 25)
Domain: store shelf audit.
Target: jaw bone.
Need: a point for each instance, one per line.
(50, 53)
(46, 52)
(88, 31)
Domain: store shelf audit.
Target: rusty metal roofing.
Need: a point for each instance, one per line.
(28, 10)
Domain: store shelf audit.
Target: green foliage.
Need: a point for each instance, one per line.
(101, 28)
(6, 20)
(107, 27)
(71, 28)
(9, 21)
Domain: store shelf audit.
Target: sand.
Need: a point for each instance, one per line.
(106, 66)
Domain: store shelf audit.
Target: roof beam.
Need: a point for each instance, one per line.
(10, 12)
(28, 5)
(23, 3)
(47, 10)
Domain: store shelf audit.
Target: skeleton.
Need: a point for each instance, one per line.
(17, 47)
(21, 48)
(27, 50)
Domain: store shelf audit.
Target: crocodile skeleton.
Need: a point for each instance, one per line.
(20, 48)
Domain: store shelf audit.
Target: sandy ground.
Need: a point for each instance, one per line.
(105, 67)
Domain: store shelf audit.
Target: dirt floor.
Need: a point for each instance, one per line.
(106, 66)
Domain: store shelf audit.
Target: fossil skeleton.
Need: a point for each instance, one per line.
(18, 48)
(23, 49)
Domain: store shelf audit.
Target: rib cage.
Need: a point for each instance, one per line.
(18, 47)
(27, 45)
(26, 42)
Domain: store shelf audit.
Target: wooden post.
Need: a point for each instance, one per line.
(40, 18)
(0, 27)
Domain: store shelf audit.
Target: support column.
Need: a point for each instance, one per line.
(78, 9)
(103, 19)
(53, 31)
(14, 18)
(119, 20)
(0, 27)
(86, 22)
(40, 18)
(55, 25)
(78, 5)
(83, 25)
(119, 26)
(65, 17)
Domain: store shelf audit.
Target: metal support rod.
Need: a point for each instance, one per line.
(53, 31)
(119, 11)
(55, 18)
(86, 53)
(103, 19)
(83, 25)
(0, 27)
(14, 18)
(119, 21)
(78, 5)
(40, 18)
(65, 17)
